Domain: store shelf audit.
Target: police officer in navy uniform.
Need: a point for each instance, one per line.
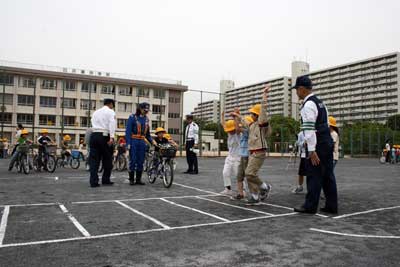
(136, 133)
(319, 163)
(101, 142)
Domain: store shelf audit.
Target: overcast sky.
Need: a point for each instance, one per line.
(198, 42)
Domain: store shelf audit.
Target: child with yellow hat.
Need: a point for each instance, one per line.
(335, 137)
(232, 161)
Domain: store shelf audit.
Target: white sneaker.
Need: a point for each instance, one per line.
(298, 189)
(264, 193)
(226, 192)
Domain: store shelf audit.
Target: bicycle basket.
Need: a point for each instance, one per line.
(23, 148)
(52, 149)
(75, 154)
(168, 151)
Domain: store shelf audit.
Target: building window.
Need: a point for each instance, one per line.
(86, 85)
(124, 90)
(7, 118)
(173, 115)
(70, 103)
(70, 85)
(159, 93)
(25, 118)
(143, 92)
(26, 100)
(124, 107)
(27, 82)
(85, 122)
(6, 79)
(69, 121)
(108, 89)
(48, 102)
(8, 99)
(49, 84)
(174, 99)
(85, 104)
(122, 123)
(158, 109)
(49, 120)
(173, 131)
(155, 124)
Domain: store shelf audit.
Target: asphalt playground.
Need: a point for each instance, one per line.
(58, 220)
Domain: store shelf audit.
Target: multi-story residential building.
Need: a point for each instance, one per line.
(207, 111)
(63, 99)
(363, 90)
(246, 96)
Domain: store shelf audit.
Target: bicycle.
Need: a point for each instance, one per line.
(120, 161)
(148, 157)
(162, 165)
(23, 162)
(72, 160)
(48, 160)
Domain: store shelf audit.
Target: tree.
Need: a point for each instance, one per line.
(393, 122)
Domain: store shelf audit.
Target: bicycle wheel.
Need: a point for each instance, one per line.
(74, 163)
(35, 163)
(152, 173)
(51, 164)
(382, 159)
(168, 176)
(59, 163)
(121, 163)
(25, 164)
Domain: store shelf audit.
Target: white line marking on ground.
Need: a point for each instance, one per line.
(74, 221)
(196, 210)
(234, 206)
(198, 189)
(321, 215)
(144, 215)
(355, 235)
(364, 212)
(135, 199)
(140, 232)
(26, 205)
(3, 224)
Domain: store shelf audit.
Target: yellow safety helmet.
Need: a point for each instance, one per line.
(24, 131)
(67, 137)
(44, 131)
(248, 119)
(332, 121)
(229, 126)
(167, 136)
(159, 130)
(256, 109)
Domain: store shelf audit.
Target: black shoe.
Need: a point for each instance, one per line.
(188, 172)
(139, 178)
(328, 210)
(94, 185)
(108, 183)
(303, 210)
(194, 173)
(132, 178)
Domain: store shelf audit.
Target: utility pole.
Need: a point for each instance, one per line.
(62, 109)
(2, 106)
(34, 109)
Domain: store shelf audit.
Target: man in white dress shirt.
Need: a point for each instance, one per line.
(101, 142)
(192, 141)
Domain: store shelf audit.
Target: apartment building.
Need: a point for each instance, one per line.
(207, 111)
(249, 95)
(63, 99)
(363, 90)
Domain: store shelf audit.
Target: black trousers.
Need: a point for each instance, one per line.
(321, 176)
(191, 157)
(100, 150)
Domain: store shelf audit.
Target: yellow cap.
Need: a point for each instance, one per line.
(24, 131)
(332, 121)
(229, 126)
(160, 129)
(44, 131)
(249, 119)
(168, 136)
(67, 137)
(256, 109)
